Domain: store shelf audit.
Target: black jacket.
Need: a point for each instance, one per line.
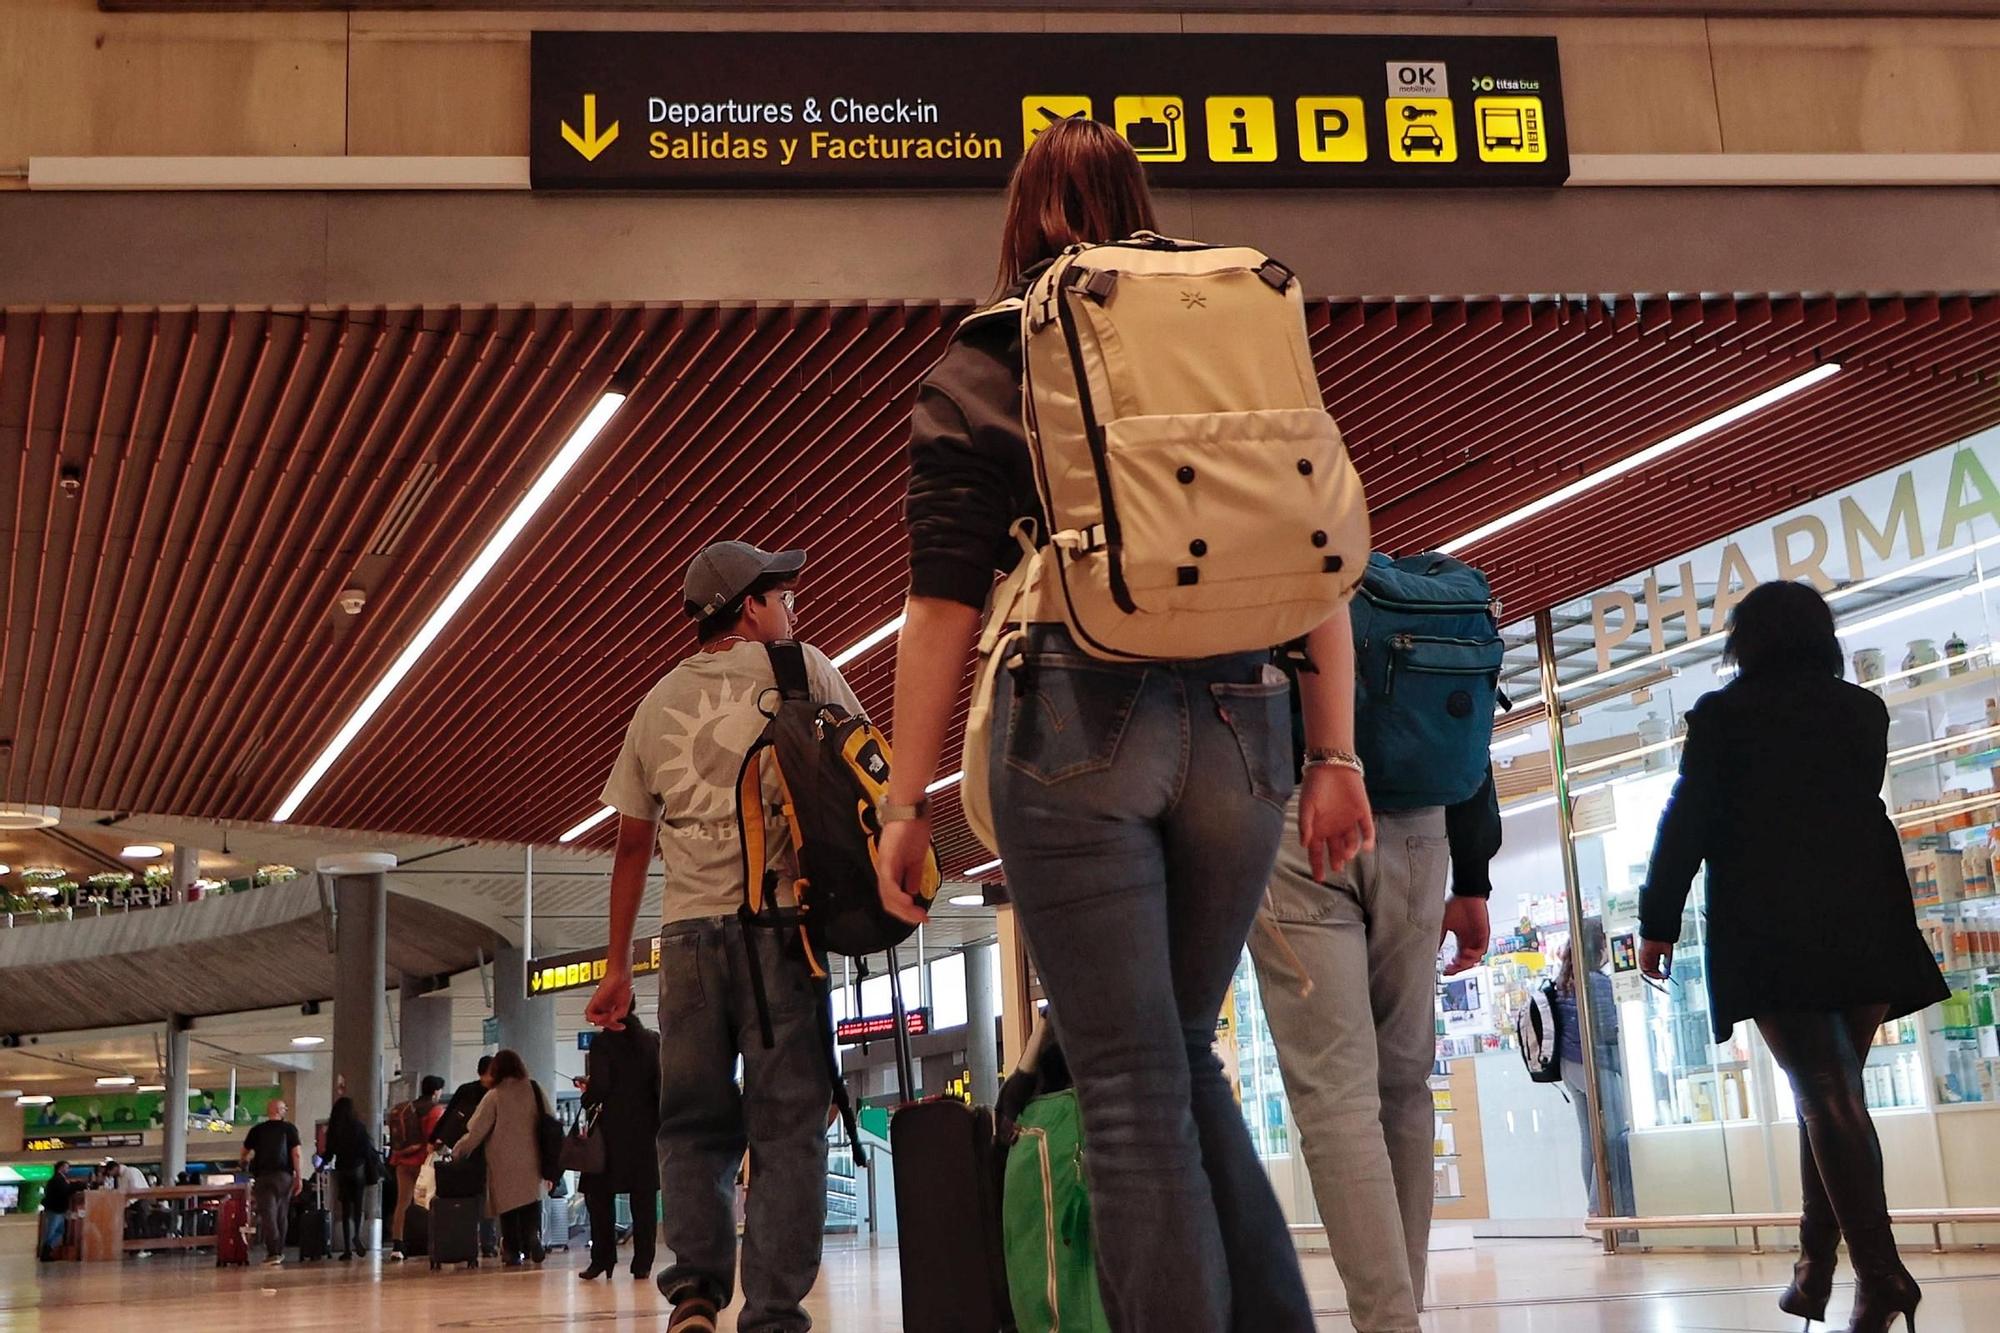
(458, 1112)
(1809, 904)
(350, 1151)
(624, 1073)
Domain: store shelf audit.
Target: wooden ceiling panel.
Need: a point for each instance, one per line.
(174, 641)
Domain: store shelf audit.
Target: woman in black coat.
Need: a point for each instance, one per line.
(622, 1088)
(352, 1158)
(1812, 930)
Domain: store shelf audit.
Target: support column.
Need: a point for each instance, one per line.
(527, 1026)
(174, 1118)
(186, 870)
(982, 1038)
(426, 1022)
(361, 938)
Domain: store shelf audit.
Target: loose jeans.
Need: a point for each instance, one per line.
(708, 1017)
(1138, 809)
(1357, 1052)
(271, 1196)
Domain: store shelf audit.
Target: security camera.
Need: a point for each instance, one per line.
(352, 600)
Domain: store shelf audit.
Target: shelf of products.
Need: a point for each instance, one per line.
(1446, 1187)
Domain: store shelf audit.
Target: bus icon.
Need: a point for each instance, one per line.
(1500, 127)
(1511, 129)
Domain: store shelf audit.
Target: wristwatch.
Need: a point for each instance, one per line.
(1326, 757)
(890, 813)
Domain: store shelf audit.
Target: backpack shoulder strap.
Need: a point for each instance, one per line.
(788, 664)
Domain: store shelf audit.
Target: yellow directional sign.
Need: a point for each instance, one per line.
(590, 143)
(1421, 130)
(1041, 110)
(1152, 125)
(1332, 129)
(1511, 129)
(1242, 129)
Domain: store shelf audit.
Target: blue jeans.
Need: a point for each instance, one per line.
(708, 1017)
(1138, 809)
(54, 1225)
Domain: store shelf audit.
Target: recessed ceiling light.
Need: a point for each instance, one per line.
(5, 868)
(143, 851)
(489, 555)
(116, 1081)
(967, 900)
(308, 1041)
(152, 1087)
(37, 1099)
(19, 817)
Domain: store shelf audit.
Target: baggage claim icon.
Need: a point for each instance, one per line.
(1153, 126)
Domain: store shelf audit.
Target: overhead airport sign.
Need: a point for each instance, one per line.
(584, 968)
(66, 1142)
(853, 1031)
(798, 110)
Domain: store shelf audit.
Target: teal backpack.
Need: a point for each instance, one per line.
(1427, 652)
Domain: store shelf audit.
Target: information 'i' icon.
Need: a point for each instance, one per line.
(1242, 129)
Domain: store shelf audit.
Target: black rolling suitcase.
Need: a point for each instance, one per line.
(312, 1229)
(947, 1206)
(454, 1231)
(416, 1232)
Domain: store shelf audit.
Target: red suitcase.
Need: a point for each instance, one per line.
(232, 1230)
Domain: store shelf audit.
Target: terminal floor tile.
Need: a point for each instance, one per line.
(1503, 1287)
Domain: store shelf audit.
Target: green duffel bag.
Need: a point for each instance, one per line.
(1051, 1262)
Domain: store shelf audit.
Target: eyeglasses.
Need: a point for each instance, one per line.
(789, 599)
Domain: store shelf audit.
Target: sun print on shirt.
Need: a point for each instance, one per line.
(702, 750)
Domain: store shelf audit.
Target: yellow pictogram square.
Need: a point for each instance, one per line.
(1511, 129)
(1421, 130)
(1332, 129)
(1242, 129)
(1041, 110)
(1156, 127)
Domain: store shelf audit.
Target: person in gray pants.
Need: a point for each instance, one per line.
(1347, 966)
(271, 1154)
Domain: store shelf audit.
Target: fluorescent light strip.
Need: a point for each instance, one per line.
(577, 830)
(942, 783)
(1624, 756)
(1542, 804)
(1906, 818)
(538, 494)
(982, 869)
(1925, 749)
(875, 638)
(1904, 612)
(1650, 454)
(1524, 736)
(1882, 682)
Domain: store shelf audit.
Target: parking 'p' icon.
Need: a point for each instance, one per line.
(1332, 129)
(1242, 129)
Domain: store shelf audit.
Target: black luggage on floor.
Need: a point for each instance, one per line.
(464, 1178)
(454, 1228)
(416, 1232)
(948, 1175)
(313, 1233)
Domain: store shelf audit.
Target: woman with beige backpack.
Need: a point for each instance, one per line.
(1135, 431)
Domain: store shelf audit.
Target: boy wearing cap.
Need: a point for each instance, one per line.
(676, 778)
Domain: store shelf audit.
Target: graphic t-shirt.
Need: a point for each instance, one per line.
(270, 1143)
(680, 762)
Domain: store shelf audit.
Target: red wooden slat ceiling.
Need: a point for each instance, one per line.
(173, 637)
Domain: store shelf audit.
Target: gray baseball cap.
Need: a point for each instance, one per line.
(725, 571)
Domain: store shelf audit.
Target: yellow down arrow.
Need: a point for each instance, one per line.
(590, 143)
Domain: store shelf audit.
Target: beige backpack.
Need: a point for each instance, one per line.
(1198, 496)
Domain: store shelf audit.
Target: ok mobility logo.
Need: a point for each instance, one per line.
(590, 143)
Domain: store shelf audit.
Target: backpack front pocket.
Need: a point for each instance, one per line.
(1232, 508)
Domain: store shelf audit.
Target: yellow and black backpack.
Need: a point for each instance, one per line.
(832, 768)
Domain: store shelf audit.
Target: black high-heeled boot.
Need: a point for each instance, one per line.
(1819, 1246)
(1878, 1300)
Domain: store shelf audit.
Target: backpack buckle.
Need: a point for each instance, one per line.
(1097, 284)
(1275, 275)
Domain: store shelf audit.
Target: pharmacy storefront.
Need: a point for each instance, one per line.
(1910, 561)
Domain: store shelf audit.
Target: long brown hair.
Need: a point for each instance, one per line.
(1078, 182)
(507, 1064)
